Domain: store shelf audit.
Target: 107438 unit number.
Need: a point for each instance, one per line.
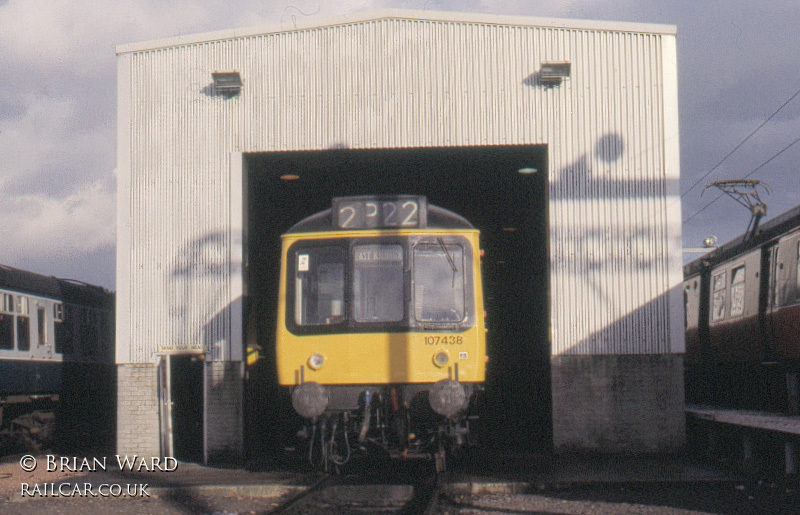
(444, 340)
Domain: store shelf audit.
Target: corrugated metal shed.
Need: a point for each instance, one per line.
(403, 79)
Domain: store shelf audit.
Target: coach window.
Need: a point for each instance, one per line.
(378, 283)
(319, 286)
(439, 283)
(23, 324)
(718, 299)
(737, 291)
(6, 322)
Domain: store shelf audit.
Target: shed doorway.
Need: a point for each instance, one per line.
(502, 190)
(181, 393)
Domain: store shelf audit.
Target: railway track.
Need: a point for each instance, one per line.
(361, 494)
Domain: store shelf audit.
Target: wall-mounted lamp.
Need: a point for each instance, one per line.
(553, 73)
(227, 83)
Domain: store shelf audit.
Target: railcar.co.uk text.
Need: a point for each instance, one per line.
(55, 463)
(83, 490)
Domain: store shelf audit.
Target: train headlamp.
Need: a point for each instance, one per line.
(310, 399)
(447, 397)
(441, 358)
(316, 361)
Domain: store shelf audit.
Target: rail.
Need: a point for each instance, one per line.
(340, 494)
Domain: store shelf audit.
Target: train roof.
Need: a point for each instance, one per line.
(66, 290)
(28, 282)
(437, 218)
(767, 231)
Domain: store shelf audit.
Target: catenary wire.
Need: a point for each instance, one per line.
(787, 147)
(698, 181)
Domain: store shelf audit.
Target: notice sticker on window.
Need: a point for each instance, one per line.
(302, 262)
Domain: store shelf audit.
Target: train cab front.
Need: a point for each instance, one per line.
(380, 327)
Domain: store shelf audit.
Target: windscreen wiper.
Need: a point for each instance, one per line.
(449, 257)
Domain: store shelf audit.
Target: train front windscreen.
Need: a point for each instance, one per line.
(382, 283)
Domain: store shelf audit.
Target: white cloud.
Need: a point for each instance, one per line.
(40, 225)
(49, 146)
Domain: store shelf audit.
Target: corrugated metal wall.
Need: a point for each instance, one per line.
(405, 83)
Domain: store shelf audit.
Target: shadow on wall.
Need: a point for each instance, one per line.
(581, 178)
(617, 370)
(535, 80)
(645, 329)
(213, 92)
(619, 261)
(199, 293)
(200, 314)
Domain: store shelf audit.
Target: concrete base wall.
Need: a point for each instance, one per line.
(224, 412)
(618, 403)
(137, 410)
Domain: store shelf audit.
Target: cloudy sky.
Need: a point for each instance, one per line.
(739, 62)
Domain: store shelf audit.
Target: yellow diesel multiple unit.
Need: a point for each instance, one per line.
(381, 326)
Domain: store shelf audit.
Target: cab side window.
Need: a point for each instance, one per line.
(439, 293)
(319, 286)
